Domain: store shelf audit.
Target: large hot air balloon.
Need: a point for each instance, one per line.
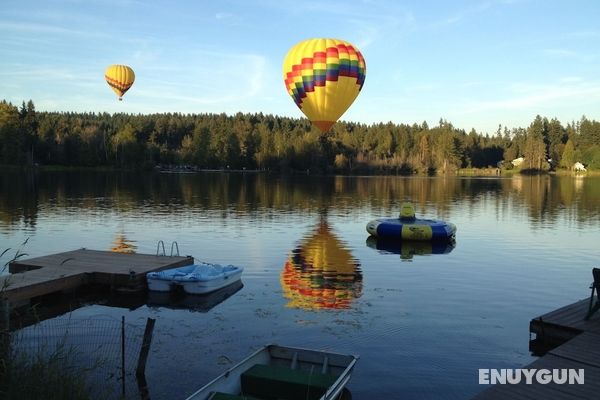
(119, 78)
(323, 77)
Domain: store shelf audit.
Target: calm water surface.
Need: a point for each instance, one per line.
(423, 319)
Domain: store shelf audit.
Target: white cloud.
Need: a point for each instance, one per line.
(42, 73)
(227, 78)
(571, 79)
(559, 53)
(462, 14)
(571, 55)
(531, 96)
(40, 28)
(223, 15)
(376, 28)
(586, 34)
(229, 18)
(471, 11)
(363, 25)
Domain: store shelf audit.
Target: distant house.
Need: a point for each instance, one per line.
(579, 167)
(517, 161)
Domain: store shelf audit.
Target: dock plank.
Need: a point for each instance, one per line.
(584, 348)
(64, 271)
(569, 318)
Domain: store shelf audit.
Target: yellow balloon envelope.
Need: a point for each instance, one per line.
(119, 78)
(324, 77)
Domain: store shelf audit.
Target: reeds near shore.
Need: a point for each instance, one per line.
(40, 373)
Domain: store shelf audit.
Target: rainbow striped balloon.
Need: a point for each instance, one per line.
(324, 77)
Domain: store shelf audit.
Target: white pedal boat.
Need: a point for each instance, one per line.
(194, 279)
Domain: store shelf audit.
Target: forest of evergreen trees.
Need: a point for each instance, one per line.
(268, 142)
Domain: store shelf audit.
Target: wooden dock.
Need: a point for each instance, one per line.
(574, 343)
(565, 323)
(66, 271)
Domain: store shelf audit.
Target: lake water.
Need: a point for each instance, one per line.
(423, 319)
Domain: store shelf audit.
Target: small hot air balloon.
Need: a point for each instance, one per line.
(119, 78)
(323, 77)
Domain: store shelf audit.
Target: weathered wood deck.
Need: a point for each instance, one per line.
(65, 271)
(565, 323)
(578, 343)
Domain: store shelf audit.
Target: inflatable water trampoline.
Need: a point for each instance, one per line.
(407, 227)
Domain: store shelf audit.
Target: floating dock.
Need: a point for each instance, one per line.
(574, 343)
(67, 271)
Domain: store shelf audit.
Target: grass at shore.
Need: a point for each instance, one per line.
(42, 376)
(37, 374)
(460, 172)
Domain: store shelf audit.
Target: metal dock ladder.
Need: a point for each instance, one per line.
(161, 245)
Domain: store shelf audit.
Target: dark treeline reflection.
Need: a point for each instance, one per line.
(24, 195)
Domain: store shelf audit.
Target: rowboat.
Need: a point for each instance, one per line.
(283, 373)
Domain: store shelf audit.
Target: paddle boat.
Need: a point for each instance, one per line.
(283, 373)
(194, 279)
(408, 227)
(162, 281)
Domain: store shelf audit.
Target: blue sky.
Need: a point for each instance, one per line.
(475, 63)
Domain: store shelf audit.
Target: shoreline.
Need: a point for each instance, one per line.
(463, 172)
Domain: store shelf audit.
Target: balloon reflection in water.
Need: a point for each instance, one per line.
(321, 273)
(123, 245)
(408, 249)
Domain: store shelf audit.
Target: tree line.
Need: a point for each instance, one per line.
(270, 142)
